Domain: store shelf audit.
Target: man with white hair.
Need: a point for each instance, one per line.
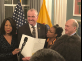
(71, 27)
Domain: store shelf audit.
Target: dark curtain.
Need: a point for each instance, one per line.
(1, 11)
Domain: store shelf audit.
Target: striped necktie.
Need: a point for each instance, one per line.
(33, 32)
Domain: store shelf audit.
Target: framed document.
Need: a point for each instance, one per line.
(31, 46)
(76, 7)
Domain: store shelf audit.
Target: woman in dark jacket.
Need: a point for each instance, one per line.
(8, 40)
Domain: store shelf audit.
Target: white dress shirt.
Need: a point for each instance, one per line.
(72, 34)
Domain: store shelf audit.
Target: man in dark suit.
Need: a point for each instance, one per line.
(27, 29)
(71, 27)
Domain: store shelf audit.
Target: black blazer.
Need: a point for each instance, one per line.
(42, 31)
(77, 35)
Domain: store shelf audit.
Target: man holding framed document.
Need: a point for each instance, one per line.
(40, 30)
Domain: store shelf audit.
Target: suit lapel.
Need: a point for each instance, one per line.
(28, 32)
(38, 29)
(75, 34)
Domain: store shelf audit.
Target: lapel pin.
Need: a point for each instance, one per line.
(38, 28)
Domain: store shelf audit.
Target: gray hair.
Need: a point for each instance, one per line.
(75, 24)
(33, 10)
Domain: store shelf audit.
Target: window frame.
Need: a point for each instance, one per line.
(13, 5)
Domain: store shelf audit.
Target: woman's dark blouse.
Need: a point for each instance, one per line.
(6, 49)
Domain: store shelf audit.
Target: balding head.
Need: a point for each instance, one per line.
(71, 26)
(74, 23)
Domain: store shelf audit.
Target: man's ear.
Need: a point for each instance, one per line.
(75, 28)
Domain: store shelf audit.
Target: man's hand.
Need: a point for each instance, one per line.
(26, 58)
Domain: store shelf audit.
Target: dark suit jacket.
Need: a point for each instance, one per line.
(42, 31)
(77, 35)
